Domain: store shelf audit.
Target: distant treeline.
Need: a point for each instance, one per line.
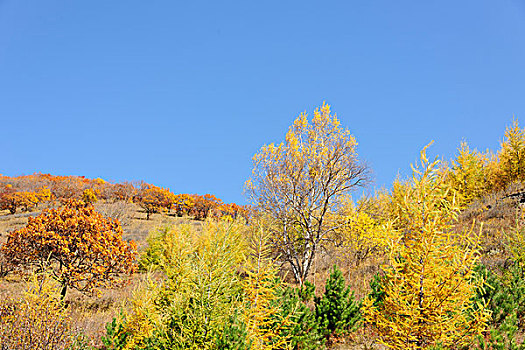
(27, 191)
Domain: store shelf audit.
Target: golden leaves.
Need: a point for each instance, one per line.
(428, 285)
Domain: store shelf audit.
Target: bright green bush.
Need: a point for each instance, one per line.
(504, 296)
(233, 336)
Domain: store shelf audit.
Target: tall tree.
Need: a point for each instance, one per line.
(301, 181)
(427, 293)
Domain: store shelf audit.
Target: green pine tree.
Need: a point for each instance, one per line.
(336, 311)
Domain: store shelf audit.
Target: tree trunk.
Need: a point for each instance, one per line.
(63, 291)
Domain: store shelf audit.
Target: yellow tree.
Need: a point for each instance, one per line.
(468, 174)
(263, 321)
(300, 181)
(512, 154)
(89, 196)
(360, 234)
(429, 284)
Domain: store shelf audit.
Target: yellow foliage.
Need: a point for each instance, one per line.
(300, 181)
(512, 155)
(469, 174)
(260, 287)
(142, 317)
(361, 235)
(202, 287)
(89, 196)
(44, 194)
(38, 320)
(429, 283)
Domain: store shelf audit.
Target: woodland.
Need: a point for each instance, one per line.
(436, 261)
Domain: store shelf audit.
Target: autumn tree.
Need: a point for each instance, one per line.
(79, 247)
(12, 200)
(44, 194)
(9, 200)
(203, 205)
(300, 181)
(183, 204)
(428, 288)
(155, 199)
(511, 156)
(359, 235)
(124, 191)
(469, 174)
(265, 325)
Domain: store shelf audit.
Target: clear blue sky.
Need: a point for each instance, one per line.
(182, 93)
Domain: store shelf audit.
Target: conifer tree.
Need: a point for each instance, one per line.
(468, 174)
(265, 323)
(429, 285)
(511, 156)
(336, 311)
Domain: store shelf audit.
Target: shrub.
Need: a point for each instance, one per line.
(89, 196)
(38, 320)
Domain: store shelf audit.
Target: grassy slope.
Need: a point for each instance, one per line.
(91, 313)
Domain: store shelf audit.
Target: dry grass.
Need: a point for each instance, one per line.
(495, 215)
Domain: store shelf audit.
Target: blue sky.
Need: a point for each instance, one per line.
(183, 93)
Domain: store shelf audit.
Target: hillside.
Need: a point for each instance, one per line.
(435, 260)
